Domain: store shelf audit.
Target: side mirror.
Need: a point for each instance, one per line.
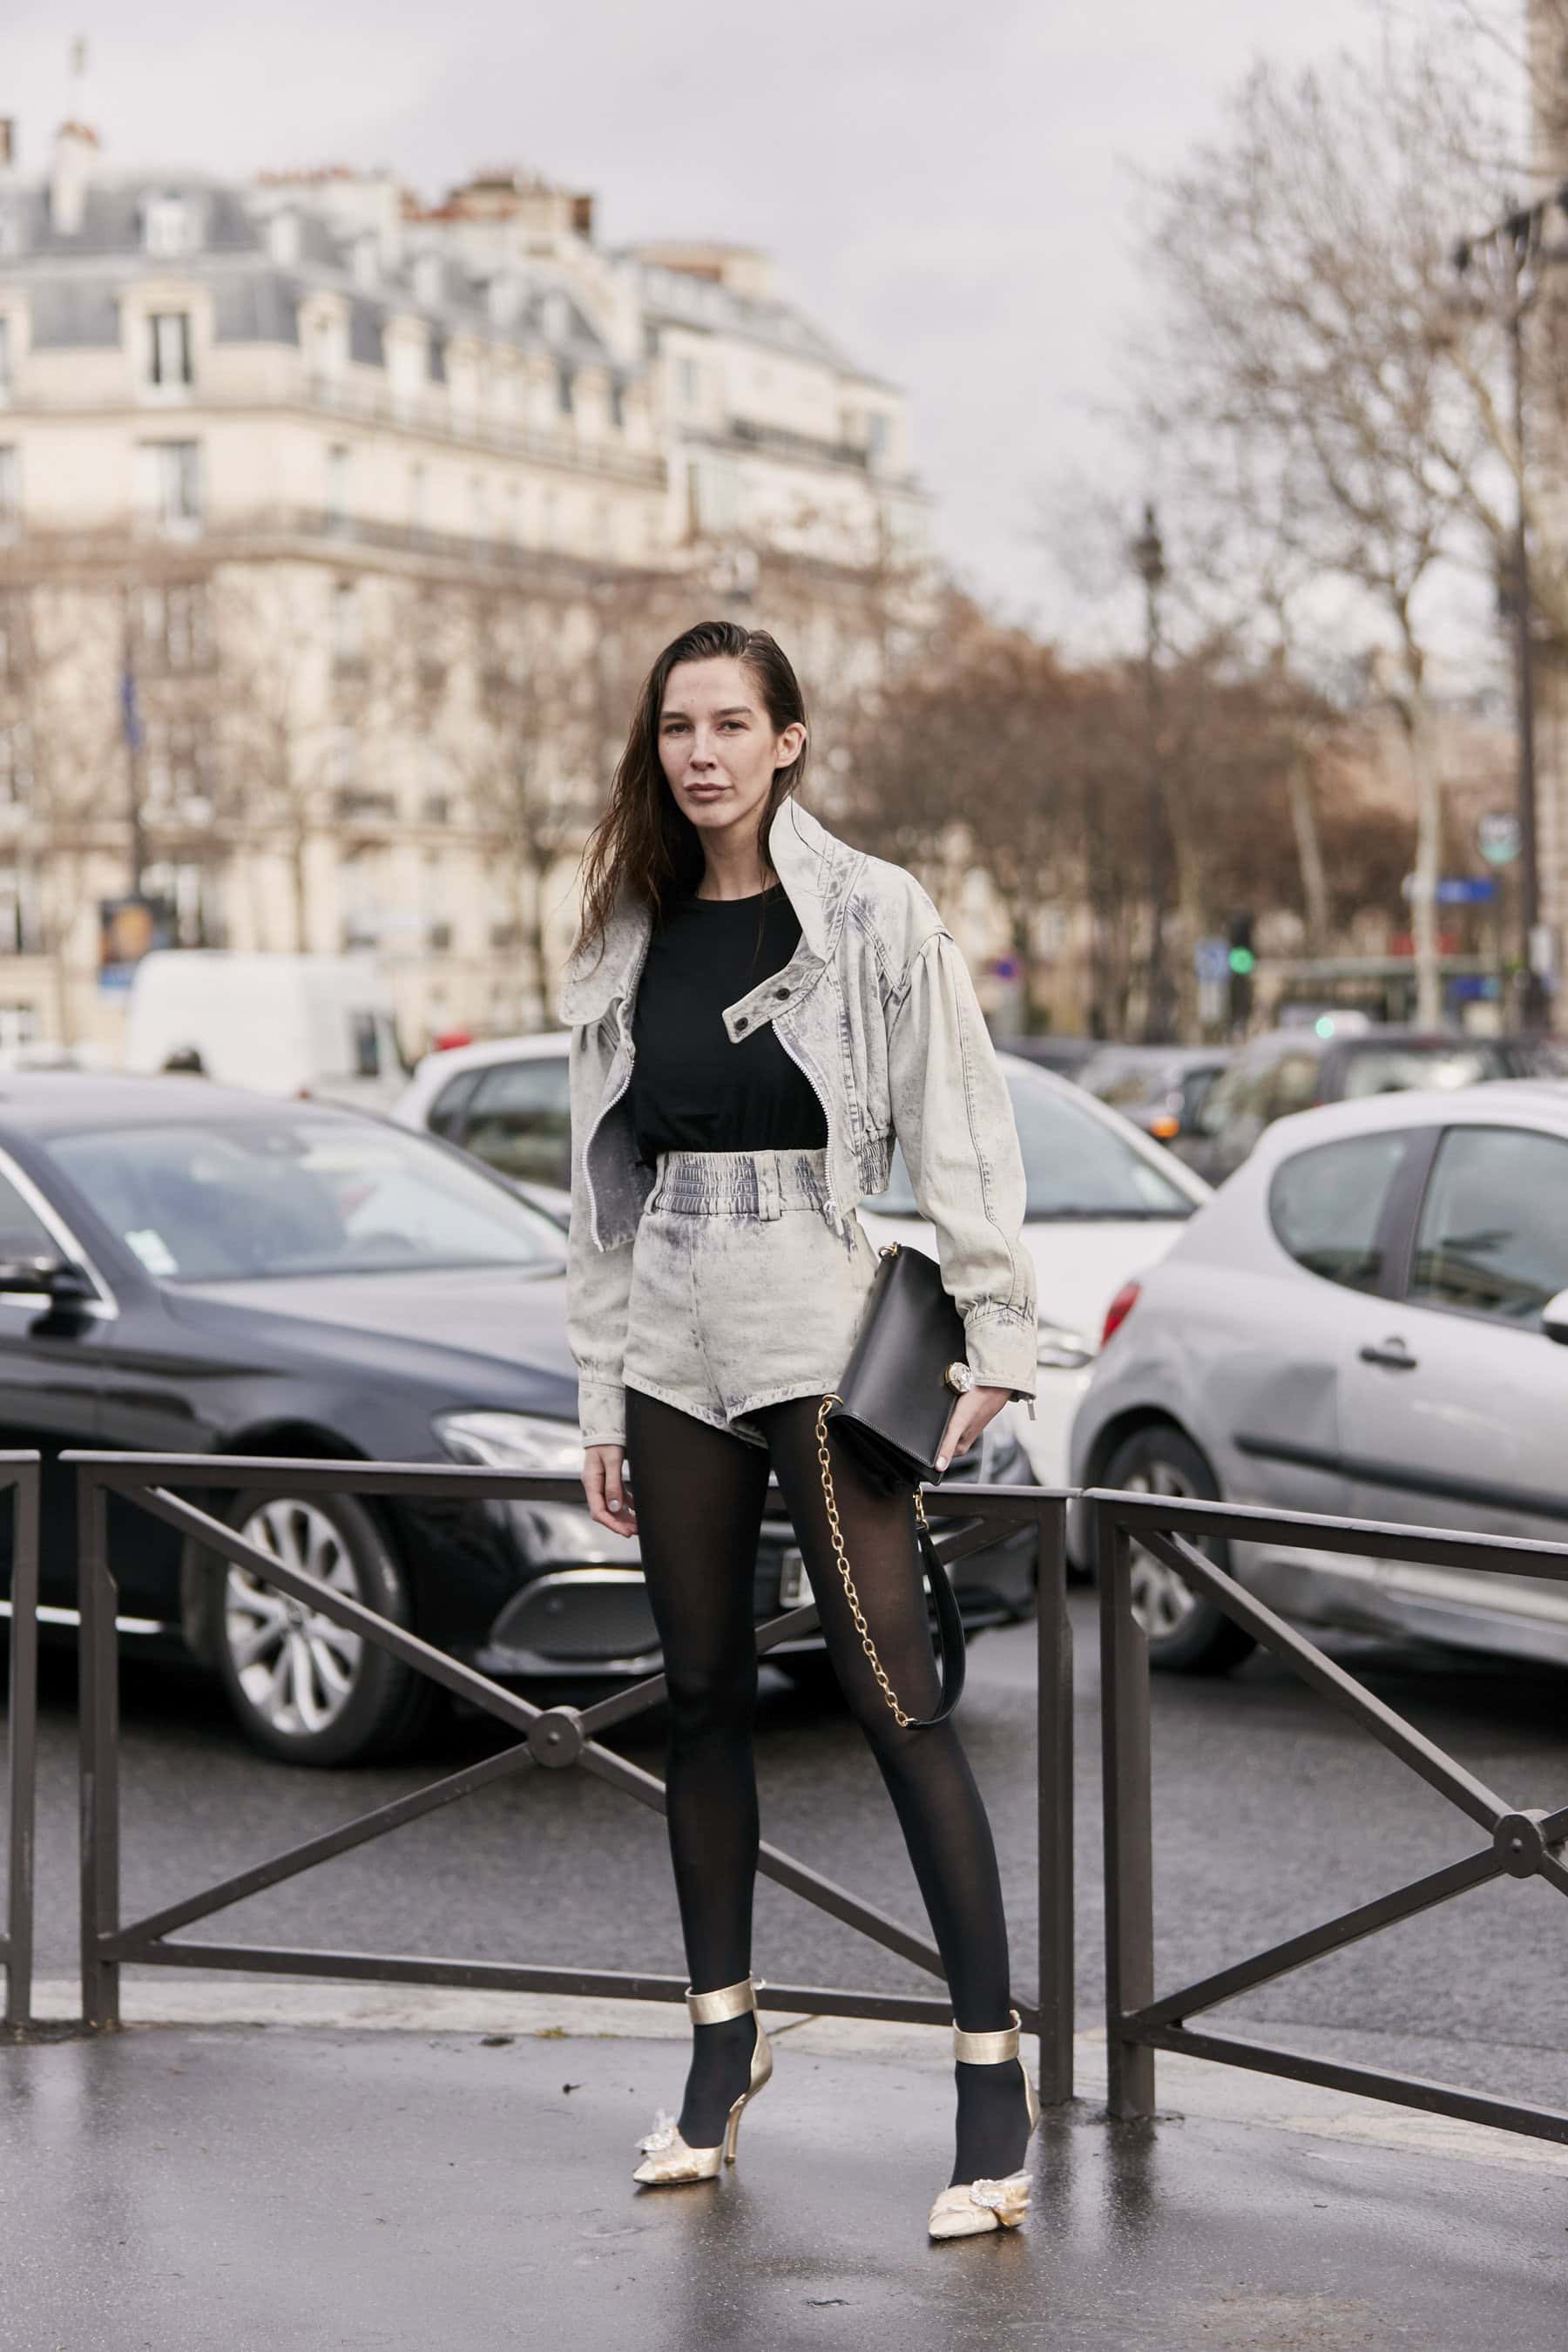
(1554, 1319)
(66, 1285)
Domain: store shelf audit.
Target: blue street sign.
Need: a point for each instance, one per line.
(1211, 959)
(1467, 890)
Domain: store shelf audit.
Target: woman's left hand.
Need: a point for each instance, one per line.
(969, 1416)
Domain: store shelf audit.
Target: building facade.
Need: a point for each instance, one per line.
(336, 530)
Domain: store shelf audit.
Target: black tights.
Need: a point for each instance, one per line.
(699, 1493)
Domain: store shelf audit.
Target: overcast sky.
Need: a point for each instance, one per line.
(950, 189)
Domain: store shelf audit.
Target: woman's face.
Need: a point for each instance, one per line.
(717, 745)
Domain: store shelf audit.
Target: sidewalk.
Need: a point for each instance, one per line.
(289, 2167)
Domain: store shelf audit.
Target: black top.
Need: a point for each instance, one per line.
(693, 1089)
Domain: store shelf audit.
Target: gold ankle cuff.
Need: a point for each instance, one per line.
(716, 2008)
(987, 2048)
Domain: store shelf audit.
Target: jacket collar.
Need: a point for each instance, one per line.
(809, 861)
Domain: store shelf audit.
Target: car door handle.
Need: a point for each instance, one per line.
(1394, 1355)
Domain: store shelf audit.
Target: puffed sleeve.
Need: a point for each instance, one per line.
(954, 1116)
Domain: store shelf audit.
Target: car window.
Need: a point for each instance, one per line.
(1391, 1069)
(446, 1113)
(23, 1233)
(280, 1196)
(1326, 1204)
(1075, 1165)
(1492, 1236)
(1240, 1092)
(519, 1120)
(1293, 1085)
(1196, 1087)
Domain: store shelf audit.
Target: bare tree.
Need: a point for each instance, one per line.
(1304, 262)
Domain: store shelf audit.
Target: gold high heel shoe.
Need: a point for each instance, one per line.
(669, 2160)
(976, 2205)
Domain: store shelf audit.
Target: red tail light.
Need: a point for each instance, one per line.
(1120, 1308)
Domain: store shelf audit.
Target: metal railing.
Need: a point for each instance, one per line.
(19, 1480)
(553, 1738)
(1520, 1842)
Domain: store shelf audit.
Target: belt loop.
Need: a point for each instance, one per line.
(770, 1190)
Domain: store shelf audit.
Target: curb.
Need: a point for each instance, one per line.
(1190, 2090)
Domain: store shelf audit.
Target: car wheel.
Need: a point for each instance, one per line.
(1187, 1635)
(301, 1686)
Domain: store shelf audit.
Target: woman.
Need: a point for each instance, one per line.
(756, 1011)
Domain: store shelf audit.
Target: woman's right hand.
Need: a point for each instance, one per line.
(605, 1484)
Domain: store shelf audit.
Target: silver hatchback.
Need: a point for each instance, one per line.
(1370, 1319)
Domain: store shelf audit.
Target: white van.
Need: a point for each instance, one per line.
(285, 1025)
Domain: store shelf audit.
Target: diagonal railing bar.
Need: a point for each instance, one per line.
(1523, 1843)
(1367, 2083)
(1401, 1739)
(325, 1848)
(1549, 1867)
(1316, 1943)
(650, 1691)
(19, 1474)
(783, 1868)
(555, 1737)
(520, 1713)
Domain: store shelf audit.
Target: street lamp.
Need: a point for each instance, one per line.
(1505, 260)
(1148, 554)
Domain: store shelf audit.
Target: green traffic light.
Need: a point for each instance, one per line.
(1242, 960)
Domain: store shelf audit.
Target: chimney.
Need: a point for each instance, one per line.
(75, 148)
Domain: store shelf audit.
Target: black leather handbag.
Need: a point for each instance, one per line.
(890, 1410)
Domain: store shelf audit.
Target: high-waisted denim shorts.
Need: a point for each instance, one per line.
(743, 1294)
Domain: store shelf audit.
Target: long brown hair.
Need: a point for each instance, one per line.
(644, 842)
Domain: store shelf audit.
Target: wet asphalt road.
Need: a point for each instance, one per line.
(1271, 1811)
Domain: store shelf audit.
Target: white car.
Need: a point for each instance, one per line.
(1105, 1202)
(1360, 1323)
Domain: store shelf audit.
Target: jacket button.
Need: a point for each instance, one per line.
(743, 1025)
(780, 994)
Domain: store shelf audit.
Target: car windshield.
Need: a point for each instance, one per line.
(1391, 1069)
(1075, 1164)
(253, 1199)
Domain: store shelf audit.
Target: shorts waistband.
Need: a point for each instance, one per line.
(740, 1184)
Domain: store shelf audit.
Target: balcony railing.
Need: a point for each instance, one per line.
(373, 404)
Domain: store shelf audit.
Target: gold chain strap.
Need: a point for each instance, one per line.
(841, 1558)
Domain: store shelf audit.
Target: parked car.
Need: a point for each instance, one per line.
(1293, 1069)
(1065, 1055)
(1104, 1201)
(319, 1026)
(1371, 1319)
(192, 1269)
(1162, 1089)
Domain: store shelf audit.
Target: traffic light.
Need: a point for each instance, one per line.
(1243, 963)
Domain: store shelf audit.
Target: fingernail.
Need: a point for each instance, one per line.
(942, 1462)
(614, 1507)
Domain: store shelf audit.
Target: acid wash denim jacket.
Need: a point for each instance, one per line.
(878, 1007)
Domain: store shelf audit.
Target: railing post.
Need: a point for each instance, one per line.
(100, 1734)
(22, 1742)
(1128, 1842)
(1054, 1736)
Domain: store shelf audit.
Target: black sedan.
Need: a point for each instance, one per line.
(188, 1269)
